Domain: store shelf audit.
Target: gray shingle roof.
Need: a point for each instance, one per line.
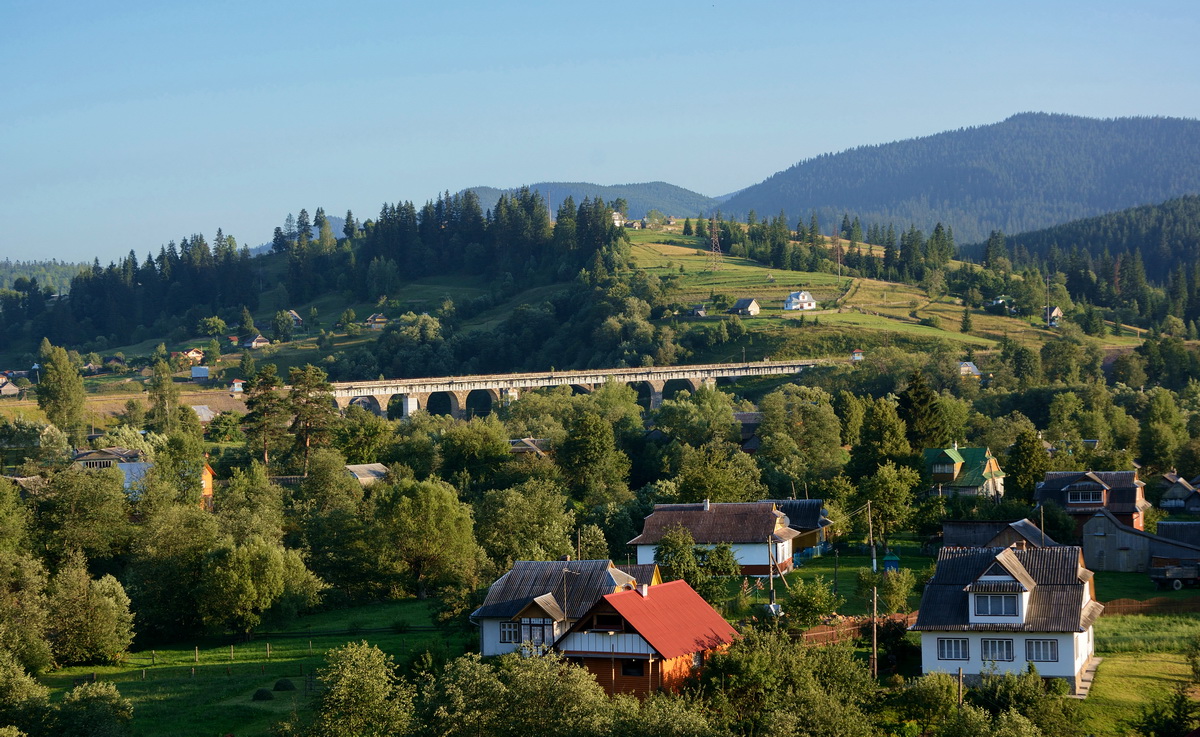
(1056, 580)
(574, 584)
(803, 514)
(978, 533)
(1124, 489)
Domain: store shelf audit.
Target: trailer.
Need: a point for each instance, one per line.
(1176, 576)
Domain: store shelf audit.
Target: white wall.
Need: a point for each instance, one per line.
(746, 554)
(604, 643)
(1074, 650)
(489, 637)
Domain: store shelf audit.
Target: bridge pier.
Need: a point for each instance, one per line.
(410, 403)
(656, 393)
(342, 403)
(458, 404)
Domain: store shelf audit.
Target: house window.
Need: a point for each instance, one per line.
(1085, 497)
(537, 630)
(996, 605)
(952, 649)
(698, 660)
(631, 667)
(943, 469)
(608, 622)
(996, 650)
(510, 631)
(1041, 651)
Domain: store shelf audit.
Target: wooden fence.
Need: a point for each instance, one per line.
(1157, 605)
(849, 629)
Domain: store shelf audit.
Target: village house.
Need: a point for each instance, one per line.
(808, 518)
(8, 388)
(1002, 610)
(1083, 493)
(799, 301)
(377, 321)
(647, 639)
(1181, 496)
(538, 600)
(297, 321)
(968, 370)
(1022, 534)
(133, 467)
(857, 354)
(964, 471)
(757, 531)
(697, 311)
(745, 307)
(237, 386)
(255, 341)
(199, 374)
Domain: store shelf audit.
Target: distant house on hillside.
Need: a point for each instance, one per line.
(857, 354)
(697, 311)
(199, 374)
(377, 321)
(1053, 315)
(255, 341)
(799, 301)
(745, 307)
(297, 321)
(968, 370)
(8, 388)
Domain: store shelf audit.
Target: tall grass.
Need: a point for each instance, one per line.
(1141, 633)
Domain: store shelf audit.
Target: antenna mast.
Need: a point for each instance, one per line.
(714, 252)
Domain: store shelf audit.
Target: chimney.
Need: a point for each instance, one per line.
(644, 590)
(706, 506)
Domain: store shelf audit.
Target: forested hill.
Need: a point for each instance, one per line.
(1030, 171)
(642, 198)
(1167, 235)
(52, 277)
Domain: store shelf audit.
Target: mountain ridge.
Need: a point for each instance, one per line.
(1029, 171)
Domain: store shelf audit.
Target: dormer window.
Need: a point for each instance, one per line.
(943, 469)
(995, 605)
(1087, 496)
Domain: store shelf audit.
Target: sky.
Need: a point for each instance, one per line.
(125, 125)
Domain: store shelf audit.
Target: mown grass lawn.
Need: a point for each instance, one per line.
(169, 699)
(1124, 684)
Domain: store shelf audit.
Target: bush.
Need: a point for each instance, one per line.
(401, 626)
(263, 694)
(284, 684)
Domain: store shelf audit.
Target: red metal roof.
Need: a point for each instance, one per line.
(673, 619)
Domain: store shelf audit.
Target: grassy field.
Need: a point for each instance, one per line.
(195, 688)
(1124, 684)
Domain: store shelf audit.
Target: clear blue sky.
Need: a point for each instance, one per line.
(125, 125)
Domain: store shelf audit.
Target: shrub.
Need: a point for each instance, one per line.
(284, 684)
(263, 694)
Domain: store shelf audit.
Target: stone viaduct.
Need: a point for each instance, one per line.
(503, 388)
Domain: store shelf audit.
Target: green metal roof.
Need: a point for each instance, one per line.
(973, 460)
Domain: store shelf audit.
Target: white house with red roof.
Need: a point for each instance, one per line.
(648, 639)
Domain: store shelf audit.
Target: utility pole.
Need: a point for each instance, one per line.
(960, 689)
(875, 632)
(871, 536)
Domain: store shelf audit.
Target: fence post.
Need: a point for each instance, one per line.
(197, 654)
(231, 652)
(268, 651)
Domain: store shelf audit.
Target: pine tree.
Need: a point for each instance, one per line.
(268, 412)
(965, 327)
(687, 226)
(349, 229)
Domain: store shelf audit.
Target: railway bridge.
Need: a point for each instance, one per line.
(415, 394)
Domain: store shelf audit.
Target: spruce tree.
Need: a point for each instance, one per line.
(965, 327)
(60, 392)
